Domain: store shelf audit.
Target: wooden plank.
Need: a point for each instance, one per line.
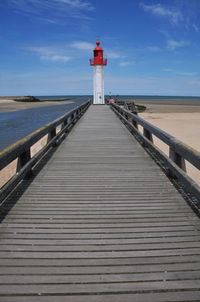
(96, 236)
(65, 247)
(98, 278)
(100, 288)
(101, 222)
(109, 226)
(177, 296)
(64, 241)
(95, 255)
(103, 269)
(91, 262)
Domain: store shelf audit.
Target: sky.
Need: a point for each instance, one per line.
(152, 47)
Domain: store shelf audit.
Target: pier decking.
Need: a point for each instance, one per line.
(100, 222)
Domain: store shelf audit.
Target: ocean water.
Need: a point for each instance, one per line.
(143, 99)
(123, 97)
(163, 100)
(16, 125)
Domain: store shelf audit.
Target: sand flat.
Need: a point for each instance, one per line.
(11, 105)
(182, 122)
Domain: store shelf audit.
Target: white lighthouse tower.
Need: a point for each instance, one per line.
(98, 80)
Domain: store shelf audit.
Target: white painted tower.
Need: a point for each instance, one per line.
(98, 80)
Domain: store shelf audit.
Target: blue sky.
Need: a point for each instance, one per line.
(153, 47)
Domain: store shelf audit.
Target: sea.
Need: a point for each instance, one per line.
(15, 125)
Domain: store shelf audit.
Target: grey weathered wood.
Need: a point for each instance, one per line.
(100, 222)
(22, 149)
(23, 159)
(177, 159)
(148, 135)
(174, 165)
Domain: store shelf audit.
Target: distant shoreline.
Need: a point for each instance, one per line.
(171, 102)
(178, 103)
(28, 98)
(10, 104)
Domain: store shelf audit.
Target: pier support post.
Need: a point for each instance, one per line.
(51, 134)
(177, 159)
(23, 159)
(148, 135)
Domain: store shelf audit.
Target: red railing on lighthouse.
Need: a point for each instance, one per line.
(94, 62)
(98, 56)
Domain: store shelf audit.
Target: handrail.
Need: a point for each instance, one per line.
(178, 151)
(21, 150)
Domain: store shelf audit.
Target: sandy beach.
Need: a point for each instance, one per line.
(181, 121)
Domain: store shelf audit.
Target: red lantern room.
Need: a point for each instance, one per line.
(98, 56)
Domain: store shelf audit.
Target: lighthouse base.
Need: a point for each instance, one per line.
(98, 82)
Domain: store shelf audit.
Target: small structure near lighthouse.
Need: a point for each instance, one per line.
(98, 80)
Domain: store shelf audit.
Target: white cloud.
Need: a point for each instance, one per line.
(58, 9)
(173, 15)
(187, 74)
(153, 48)
(183, 12)
(49, 4)
(196, 28)
(115, 55)
(167, 69)
(79, 4)
(173, 45)
(126, 63)
(56, 58)
(195, 82)
(83, 45)
(49, 54)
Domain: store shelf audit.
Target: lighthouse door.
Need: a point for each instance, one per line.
(99, 98)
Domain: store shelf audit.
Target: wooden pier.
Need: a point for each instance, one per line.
(101, 222)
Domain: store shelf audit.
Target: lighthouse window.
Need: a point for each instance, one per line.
(96, 53)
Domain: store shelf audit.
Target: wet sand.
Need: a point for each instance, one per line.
(10, 105)
(183, 122)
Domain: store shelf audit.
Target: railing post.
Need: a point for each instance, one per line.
(72, 117)
(23, 159)
(64, 123)
(51, 134)
(177, 159)
(134, 109)
(135, 124)
(148, 135)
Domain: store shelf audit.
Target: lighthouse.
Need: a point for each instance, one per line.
(98, 62)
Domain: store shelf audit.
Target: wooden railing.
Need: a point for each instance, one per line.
(22, 149)
(174, 164)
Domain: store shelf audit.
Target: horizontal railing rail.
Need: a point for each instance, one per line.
(174, 164)
(21, 150)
